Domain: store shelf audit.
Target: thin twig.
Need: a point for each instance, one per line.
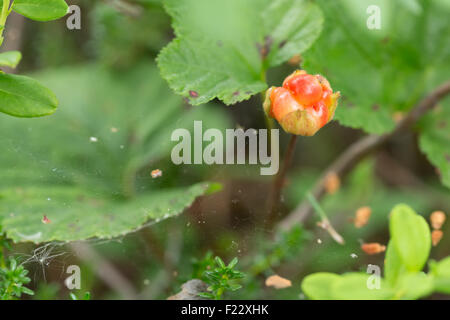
(126, 8)
(325, 222)
(357, 151)
(278, 183)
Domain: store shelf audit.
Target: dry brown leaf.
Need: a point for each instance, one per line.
(332, 183)
(437, 219)
(436, 237)
(362, 216)
(278, 282)
(373, 248)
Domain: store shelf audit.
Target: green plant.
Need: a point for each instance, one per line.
(221, 278)
(22, 96)
(13, 276)
(407, 253)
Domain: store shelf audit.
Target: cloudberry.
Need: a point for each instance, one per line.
(304, 104)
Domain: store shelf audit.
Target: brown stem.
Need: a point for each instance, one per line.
(278, 183)
(357, 151)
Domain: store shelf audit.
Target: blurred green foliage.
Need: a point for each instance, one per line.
(109, 89)
(103, 161)
(407, 253)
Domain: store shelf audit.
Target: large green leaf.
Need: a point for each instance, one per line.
(87, 168)
(435, 140)
(353, 286)
(25, 97)
(381, 72)
(350, 286)
(223, 48)
(411, 237)
(41, 10)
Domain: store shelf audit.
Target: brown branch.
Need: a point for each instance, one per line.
(357, 151)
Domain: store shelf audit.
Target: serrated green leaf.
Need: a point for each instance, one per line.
(411, 237)
(87, 168)
(41, 10)
(85, 214)
(434, 140)
(317, 286)
(223, 48)
(10, 58)
(21, 96)
(220, 262)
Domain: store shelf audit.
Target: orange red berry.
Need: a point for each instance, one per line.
(304, 104)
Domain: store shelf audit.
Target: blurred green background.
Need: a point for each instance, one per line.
(105, 78)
